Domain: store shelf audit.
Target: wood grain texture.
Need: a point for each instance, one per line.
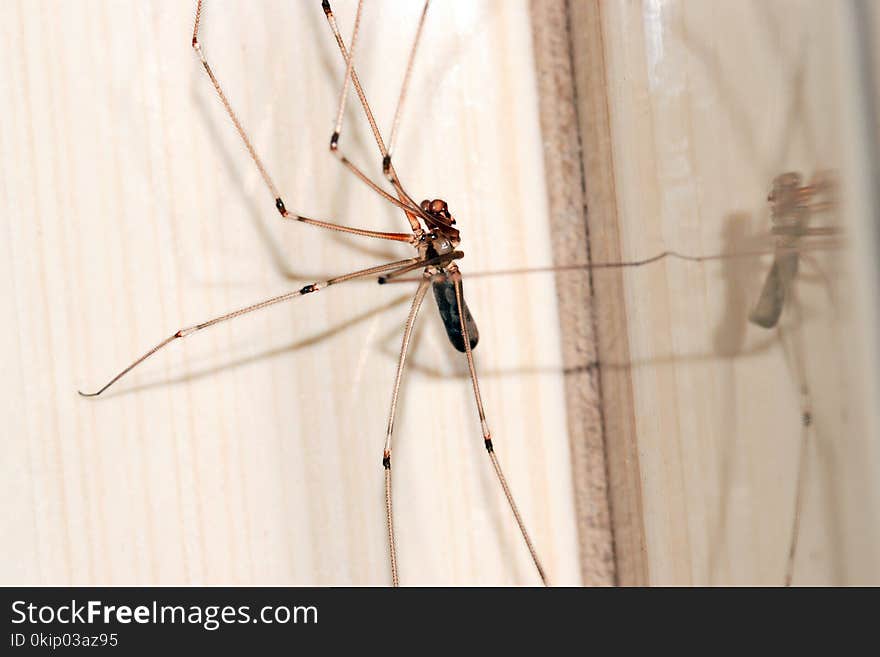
(688, 110)
(251, 453)
(565, 177)
(600, 191)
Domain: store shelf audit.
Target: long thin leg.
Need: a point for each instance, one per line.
(398, 112)
(792, 353)
(386, 452)
(487, 436)
(307, 289)
(436, 261)
(407, 205)
(334, 27)
(343, 94)
(397, 237)
(792, 350)
(388, 169)
(798, 499)
(351, 75)
(264, 174)
(404, 204)
(244, 137)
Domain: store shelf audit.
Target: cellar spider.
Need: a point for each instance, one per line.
(432, 233)
(793, 204)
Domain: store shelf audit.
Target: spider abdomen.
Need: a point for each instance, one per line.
(447, 304)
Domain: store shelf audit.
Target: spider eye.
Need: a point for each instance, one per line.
(438, 206)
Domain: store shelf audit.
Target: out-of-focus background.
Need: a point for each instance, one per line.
(650, 432)
(689, 111)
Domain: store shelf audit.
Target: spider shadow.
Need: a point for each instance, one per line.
(796, 124)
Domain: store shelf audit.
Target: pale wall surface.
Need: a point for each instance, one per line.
(250, 453)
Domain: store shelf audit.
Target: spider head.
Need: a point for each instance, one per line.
(440, 222)
(438, 210)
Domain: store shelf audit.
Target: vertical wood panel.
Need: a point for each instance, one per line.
(565, 191)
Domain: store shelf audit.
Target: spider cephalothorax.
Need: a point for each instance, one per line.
(440, 221)
(437, 208)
